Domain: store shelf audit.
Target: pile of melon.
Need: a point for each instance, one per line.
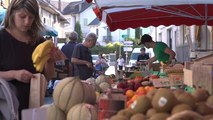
(166, 104)
(100, 84)
(72, 100)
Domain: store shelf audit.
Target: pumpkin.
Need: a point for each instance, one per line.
(54, 113)
(71, 91)
(82, 111)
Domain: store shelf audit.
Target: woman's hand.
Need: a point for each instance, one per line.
(23, 76)
(89, 65)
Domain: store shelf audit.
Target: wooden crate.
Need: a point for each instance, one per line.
(109, 107)
(187, 77)
(203, 76)
(173, 80)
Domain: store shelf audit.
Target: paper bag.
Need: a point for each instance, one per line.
(34, 114)
(38, 87)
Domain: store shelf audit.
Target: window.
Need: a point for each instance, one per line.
(44, 20)
(97, 31)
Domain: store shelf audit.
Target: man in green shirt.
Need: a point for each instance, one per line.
(162, 52)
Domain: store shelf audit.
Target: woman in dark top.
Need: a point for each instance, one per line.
(18, 39)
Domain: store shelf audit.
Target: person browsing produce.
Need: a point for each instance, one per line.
(18, 39)
(82, 58)
(162, 52)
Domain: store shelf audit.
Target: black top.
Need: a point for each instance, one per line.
(143, 57)
(68, 49)
(83, 53)
(17, 55)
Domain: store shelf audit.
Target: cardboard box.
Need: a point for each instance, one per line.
(187, 78)
(109, 107)
(203, 76)
(34, 114)
(172, 80)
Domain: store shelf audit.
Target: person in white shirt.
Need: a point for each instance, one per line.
(120, 62)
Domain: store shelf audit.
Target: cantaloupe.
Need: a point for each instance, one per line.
(91, 80)
(82, 111)
(54, 113)
(71, 91)
(104, 86)
(100, 79)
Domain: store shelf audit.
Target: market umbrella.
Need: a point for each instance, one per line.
(49, 31)
(122, 14)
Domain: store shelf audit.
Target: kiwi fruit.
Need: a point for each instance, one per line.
(208, 117)
(118, 117)
(151, 93)
(203, 109)
(209, 101)
(186, 115)
(180, 107)
(164, 100)
(126, 112)
(178, 92)
(150, 112)
(138, 116)
(160, 116)
(188, 99)
(200, 95)
(141, 104)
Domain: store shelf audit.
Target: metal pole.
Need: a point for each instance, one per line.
(206, 27)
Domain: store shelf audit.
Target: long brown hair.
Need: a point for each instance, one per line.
(30, 6)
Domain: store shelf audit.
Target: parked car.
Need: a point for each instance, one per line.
(94, 58)
(136, 52)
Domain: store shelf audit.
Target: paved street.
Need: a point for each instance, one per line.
(110, 70)
(48, 100)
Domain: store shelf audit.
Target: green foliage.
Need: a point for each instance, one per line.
(138, 32)
(109, 48)
(78, 30)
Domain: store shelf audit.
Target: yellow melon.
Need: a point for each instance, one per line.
(71, 91)
(82, 111)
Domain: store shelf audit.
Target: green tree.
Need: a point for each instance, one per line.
(138, 33)
(78, 30)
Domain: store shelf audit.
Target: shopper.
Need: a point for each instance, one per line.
(162, 52)
(18, 39)
(101, 65)
(82, 58)
(68, 48)
(120, 62)
(142, 57)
